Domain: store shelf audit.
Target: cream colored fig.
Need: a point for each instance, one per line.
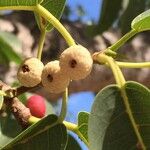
(76, 62)
(29, 73)
(53, 79)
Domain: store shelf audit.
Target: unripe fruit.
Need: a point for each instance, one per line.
(76, 62)
(53, 79)
(37, 106)
(29, 73)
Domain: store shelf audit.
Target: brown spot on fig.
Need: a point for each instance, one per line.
(73, 63)
(50, 78)
(25, 68)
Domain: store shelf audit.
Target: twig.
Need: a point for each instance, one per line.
(22, 89)
(19, 110)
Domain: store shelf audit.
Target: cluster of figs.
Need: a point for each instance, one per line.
(75, 63)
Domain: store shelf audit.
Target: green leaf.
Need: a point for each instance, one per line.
(109, 124)
(1, 101)
(5, 3)
(141, 22)
(8, 44)
(54, 7)
(83, 124)
(134, 8)
(52, 139)
(139, 100)
(72, 144)
(41, 136)
(100, 116)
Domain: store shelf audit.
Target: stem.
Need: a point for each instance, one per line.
(33, 120)
(64, 106)
(110, 61)
(27, 8)
(74, 128)
(121, 83)
(133, 65)
(109, 52)
(20, 90)
(2, 93)
(124, 39)
(55, 22)
(70, 126)
(41, 43)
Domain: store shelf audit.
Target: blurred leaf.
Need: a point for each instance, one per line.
(9, 129)
(134, 8)
(3, 59)
(49, 108)
(23, 98)
(141, 22)
(67, 12)
(83, 124)
(109, 13)
(11, 39)
(72, 144)
(8, 43)
(80, 12)
(41, 136)
(15, 84)
(4, 3)
(1, 101)
(148, 3)
(54, 7)
(109, 124)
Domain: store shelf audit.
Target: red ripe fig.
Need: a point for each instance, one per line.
(37, 106)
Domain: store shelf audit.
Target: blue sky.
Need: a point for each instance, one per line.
(91, 7)
(79, 102)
